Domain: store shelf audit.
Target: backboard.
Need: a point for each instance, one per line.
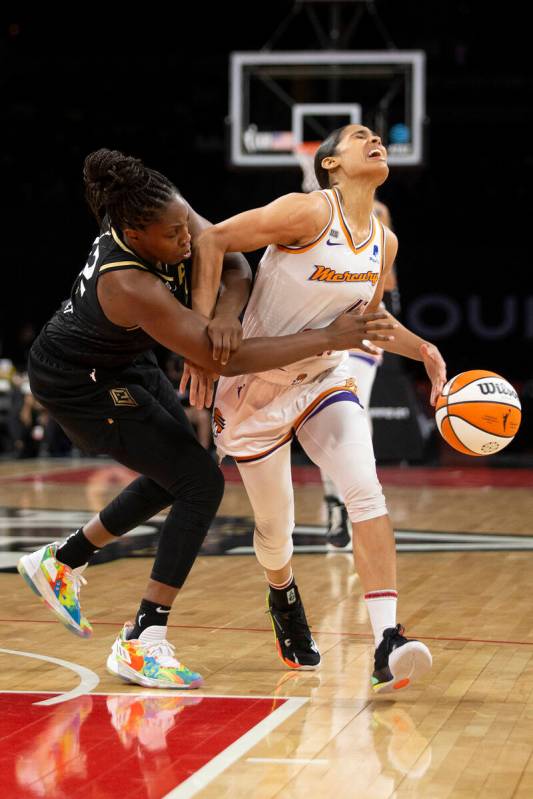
(278, 99)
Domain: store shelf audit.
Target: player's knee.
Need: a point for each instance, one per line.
(202, 485)
(364, 500)
(273, 540)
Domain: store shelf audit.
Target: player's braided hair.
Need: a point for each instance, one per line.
(328, 147)
(123, 188)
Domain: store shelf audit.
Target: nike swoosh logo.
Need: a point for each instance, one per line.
(160, 610)
(334, 243)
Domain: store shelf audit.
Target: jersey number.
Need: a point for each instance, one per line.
(88, 270)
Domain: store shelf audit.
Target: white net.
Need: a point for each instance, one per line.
(305, 154)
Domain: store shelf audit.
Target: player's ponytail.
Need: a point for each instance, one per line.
(123, 188)
(327, 148)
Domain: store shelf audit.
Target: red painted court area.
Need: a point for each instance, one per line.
(103, 746)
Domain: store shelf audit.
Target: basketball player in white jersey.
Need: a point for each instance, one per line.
(326, 252)
(363, 368)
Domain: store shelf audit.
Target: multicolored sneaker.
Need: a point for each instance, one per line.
(149, 660)
(57, 585)
(398, 661)
(294, 642)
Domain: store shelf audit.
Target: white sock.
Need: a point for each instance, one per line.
(283, 585)
(381, 606)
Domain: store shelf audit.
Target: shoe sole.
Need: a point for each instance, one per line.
(45, 594)
(290, 663)
(122, 670)
(407, 663)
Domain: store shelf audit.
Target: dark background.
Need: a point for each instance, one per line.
(155, 85)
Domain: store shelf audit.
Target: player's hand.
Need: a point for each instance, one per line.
(225, 333)
(202, 385)
(352, 330)
(436, 369)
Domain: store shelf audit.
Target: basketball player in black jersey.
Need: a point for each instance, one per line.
(92, 368)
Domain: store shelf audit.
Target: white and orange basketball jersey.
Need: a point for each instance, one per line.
(297, 288)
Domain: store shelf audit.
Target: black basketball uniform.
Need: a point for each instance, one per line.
(101, 382)
(92, 374)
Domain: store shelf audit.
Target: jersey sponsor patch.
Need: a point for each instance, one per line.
(329, 275)
(121, 396)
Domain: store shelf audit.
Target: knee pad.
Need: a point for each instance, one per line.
(364, 500)
(273, 539)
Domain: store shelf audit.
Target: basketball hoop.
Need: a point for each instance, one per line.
(304, 152)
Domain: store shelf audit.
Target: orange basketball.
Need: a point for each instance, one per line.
(478, 412)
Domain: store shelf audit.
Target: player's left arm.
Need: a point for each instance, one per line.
(405, 342)
(236, 278)
(224, 329)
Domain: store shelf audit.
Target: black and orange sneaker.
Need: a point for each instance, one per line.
(294, 642)
(398, 661)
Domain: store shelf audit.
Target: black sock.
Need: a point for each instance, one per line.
(76, 550)
(285, 598)
(148, 615)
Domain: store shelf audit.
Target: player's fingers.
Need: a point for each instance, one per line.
(370, 316)
(217, 345)
(193, 390)
(374, 336)
(236, 338)
(367, 347)
(200, 394)
(380, 325)
(209, 393)
(225, 351)
(184, 378)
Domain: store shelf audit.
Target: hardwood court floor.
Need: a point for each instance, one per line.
(465, 731)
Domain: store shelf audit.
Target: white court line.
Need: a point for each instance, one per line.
(88, 679)
(201, 778)
(297, 761)
(153, 693)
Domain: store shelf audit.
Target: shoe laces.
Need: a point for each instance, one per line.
(163, 652)
(295, 624)
(394, 637)
(76, 580)
(394, 632)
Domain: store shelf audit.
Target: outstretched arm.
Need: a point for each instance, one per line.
(131, 298)
(291, 219)
(406, 342)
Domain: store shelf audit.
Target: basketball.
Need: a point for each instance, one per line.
(478, 412)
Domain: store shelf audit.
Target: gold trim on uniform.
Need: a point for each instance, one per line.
(123, 263)
(120, 242)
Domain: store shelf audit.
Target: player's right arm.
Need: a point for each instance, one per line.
(132, 298)
(293, 219)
